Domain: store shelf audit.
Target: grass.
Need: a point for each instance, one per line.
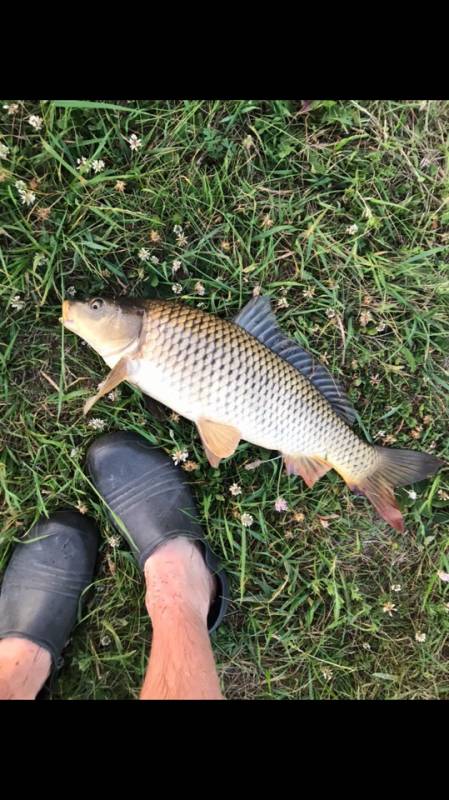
(342, 213)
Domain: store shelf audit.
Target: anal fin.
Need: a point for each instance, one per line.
(311, 468)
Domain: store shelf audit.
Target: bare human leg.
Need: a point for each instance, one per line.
(179, 592)
(24, 668)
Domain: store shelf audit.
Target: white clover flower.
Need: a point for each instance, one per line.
(177, 229)
(179, 456)
(282, 303)
(420, 637)
(280, 504)
(176, 288)
(247, 520)
(144, 254)
(83, 163)
(181, 240)
(134, 142)
(177, 264)
(35, 122)
(352, 229)
(97, 423)
(154, 260)
(3, 150)
(389, 608)
(235, 489)
(309, 293)
(12, 108)
(17, 303)
(365, 317)
(199, 289)
(71, 291)
(27, 197)
(98, 165)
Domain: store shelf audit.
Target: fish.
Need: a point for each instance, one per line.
(244, 379)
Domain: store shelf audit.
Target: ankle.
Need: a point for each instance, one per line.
(24, 668)
(178, 582)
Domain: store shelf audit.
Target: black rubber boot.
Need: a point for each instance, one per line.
(43, 582)
(149, 501)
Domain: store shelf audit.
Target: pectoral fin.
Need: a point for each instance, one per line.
(219, 441)
(118, 374)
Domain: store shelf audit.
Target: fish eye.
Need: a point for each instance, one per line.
(96, 303)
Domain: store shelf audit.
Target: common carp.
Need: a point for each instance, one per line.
(243, 379)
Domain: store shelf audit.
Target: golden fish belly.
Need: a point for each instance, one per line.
(159, 384)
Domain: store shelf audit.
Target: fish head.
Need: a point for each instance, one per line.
(106, 324)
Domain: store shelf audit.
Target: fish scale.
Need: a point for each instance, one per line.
(240, 382)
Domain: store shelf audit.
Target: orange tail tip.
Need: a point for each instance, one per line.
(382, 497)
(396, 468)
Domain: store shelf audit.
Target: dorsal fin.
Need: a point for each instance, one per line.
(258, 319)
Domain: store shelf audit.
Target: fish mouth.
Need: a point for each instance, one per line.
(65, 319)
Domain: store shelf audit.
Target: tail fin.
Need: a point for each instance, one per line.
(394, 468)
